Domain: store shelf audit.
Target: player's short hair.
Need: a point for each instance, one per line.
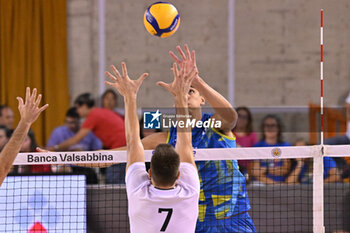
(165, 164)
(85, 98)
(72, 112)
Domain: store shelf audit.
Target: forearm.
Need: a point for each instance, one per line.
(293, 178)
(132, 128)
(12, 148)
(183, 133)
(333, 176)
(221, 106)
(135, 152)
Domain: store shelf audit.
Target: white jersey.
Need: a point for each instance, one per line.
(155, 210)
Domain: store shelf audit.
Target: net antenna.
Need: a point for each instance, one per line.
(318, 195)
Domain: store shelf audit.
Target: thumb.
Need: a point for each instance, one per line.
(20, 101)
(142, 77)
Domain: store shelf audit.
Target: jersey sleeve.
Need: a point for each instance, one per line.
(91, 121)
(189, 176)
(135, 176)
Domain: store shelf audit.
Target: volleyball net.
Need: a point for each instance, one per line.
(281, 197)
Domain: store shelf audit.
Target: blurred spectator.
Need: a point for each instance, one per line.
(105, 124)
(302, 171)
(69, 129)
(245, 136)
(271, 171)
(109, 99)
(343, 164)
(88, 143)
(30, 145)
(6, 116)
(4, 136)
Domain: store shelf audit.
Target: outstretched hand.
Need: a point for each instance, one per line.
(182, 81)
(188, 59)
(125, 86)
(30, 110)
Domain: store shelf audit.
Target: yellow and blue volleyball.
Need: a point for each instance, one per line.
(161, 19)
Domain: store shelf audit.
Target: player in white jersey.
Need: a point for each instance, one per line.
(29, 111)
(166, 198)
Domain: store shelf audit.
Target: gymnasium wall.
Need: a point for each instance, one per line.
(276, 48)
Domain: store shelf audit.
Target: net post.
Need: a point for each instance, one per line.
(318, 206)
(318, 210)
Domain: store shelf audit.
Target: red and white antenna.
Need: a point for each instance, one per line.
(318, 195)
(321, 75)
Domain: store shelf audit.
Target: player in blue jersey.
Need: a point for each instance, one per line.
(224, 203)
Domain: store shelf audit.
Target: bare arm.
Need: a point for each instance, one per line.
(333, 176)
(180, 88)
(294, 175)
(29, 113)
(128, 89)
(223, 109)
(259, 173)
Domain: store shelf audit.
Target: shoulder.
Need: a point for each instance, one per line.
(285, 144)
(60, 129)
(136, 175)
(260, 143)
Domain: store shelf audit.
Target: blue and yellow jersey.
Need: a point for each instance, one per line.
(223, 187)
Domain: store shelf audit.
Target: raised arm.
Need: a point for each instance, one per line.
(180, 88)
(29, 112)
(223, 109)
(128, 89)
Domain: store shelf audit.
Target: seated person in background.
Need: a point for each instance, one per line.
(271, 171)
(88, 143)
(109, 100)
(302, 172)
(105, 124)
(245, 136)
(4, 136)
(30, 145)
(6, 116)
(343, 164)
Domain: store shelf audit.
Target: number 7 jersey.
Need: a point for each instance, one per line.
(157, 210)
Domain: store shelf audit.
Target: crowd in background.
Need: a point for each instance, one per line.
(85, 130)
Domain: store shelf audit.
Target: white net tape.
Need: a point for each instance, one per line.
(200, 155)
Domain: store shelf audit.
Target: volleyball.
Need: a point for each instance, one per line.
(161, 19)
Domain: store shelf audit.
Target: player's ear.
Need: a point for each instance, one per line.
(178, 175)
(202, 100)
(150, 173)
